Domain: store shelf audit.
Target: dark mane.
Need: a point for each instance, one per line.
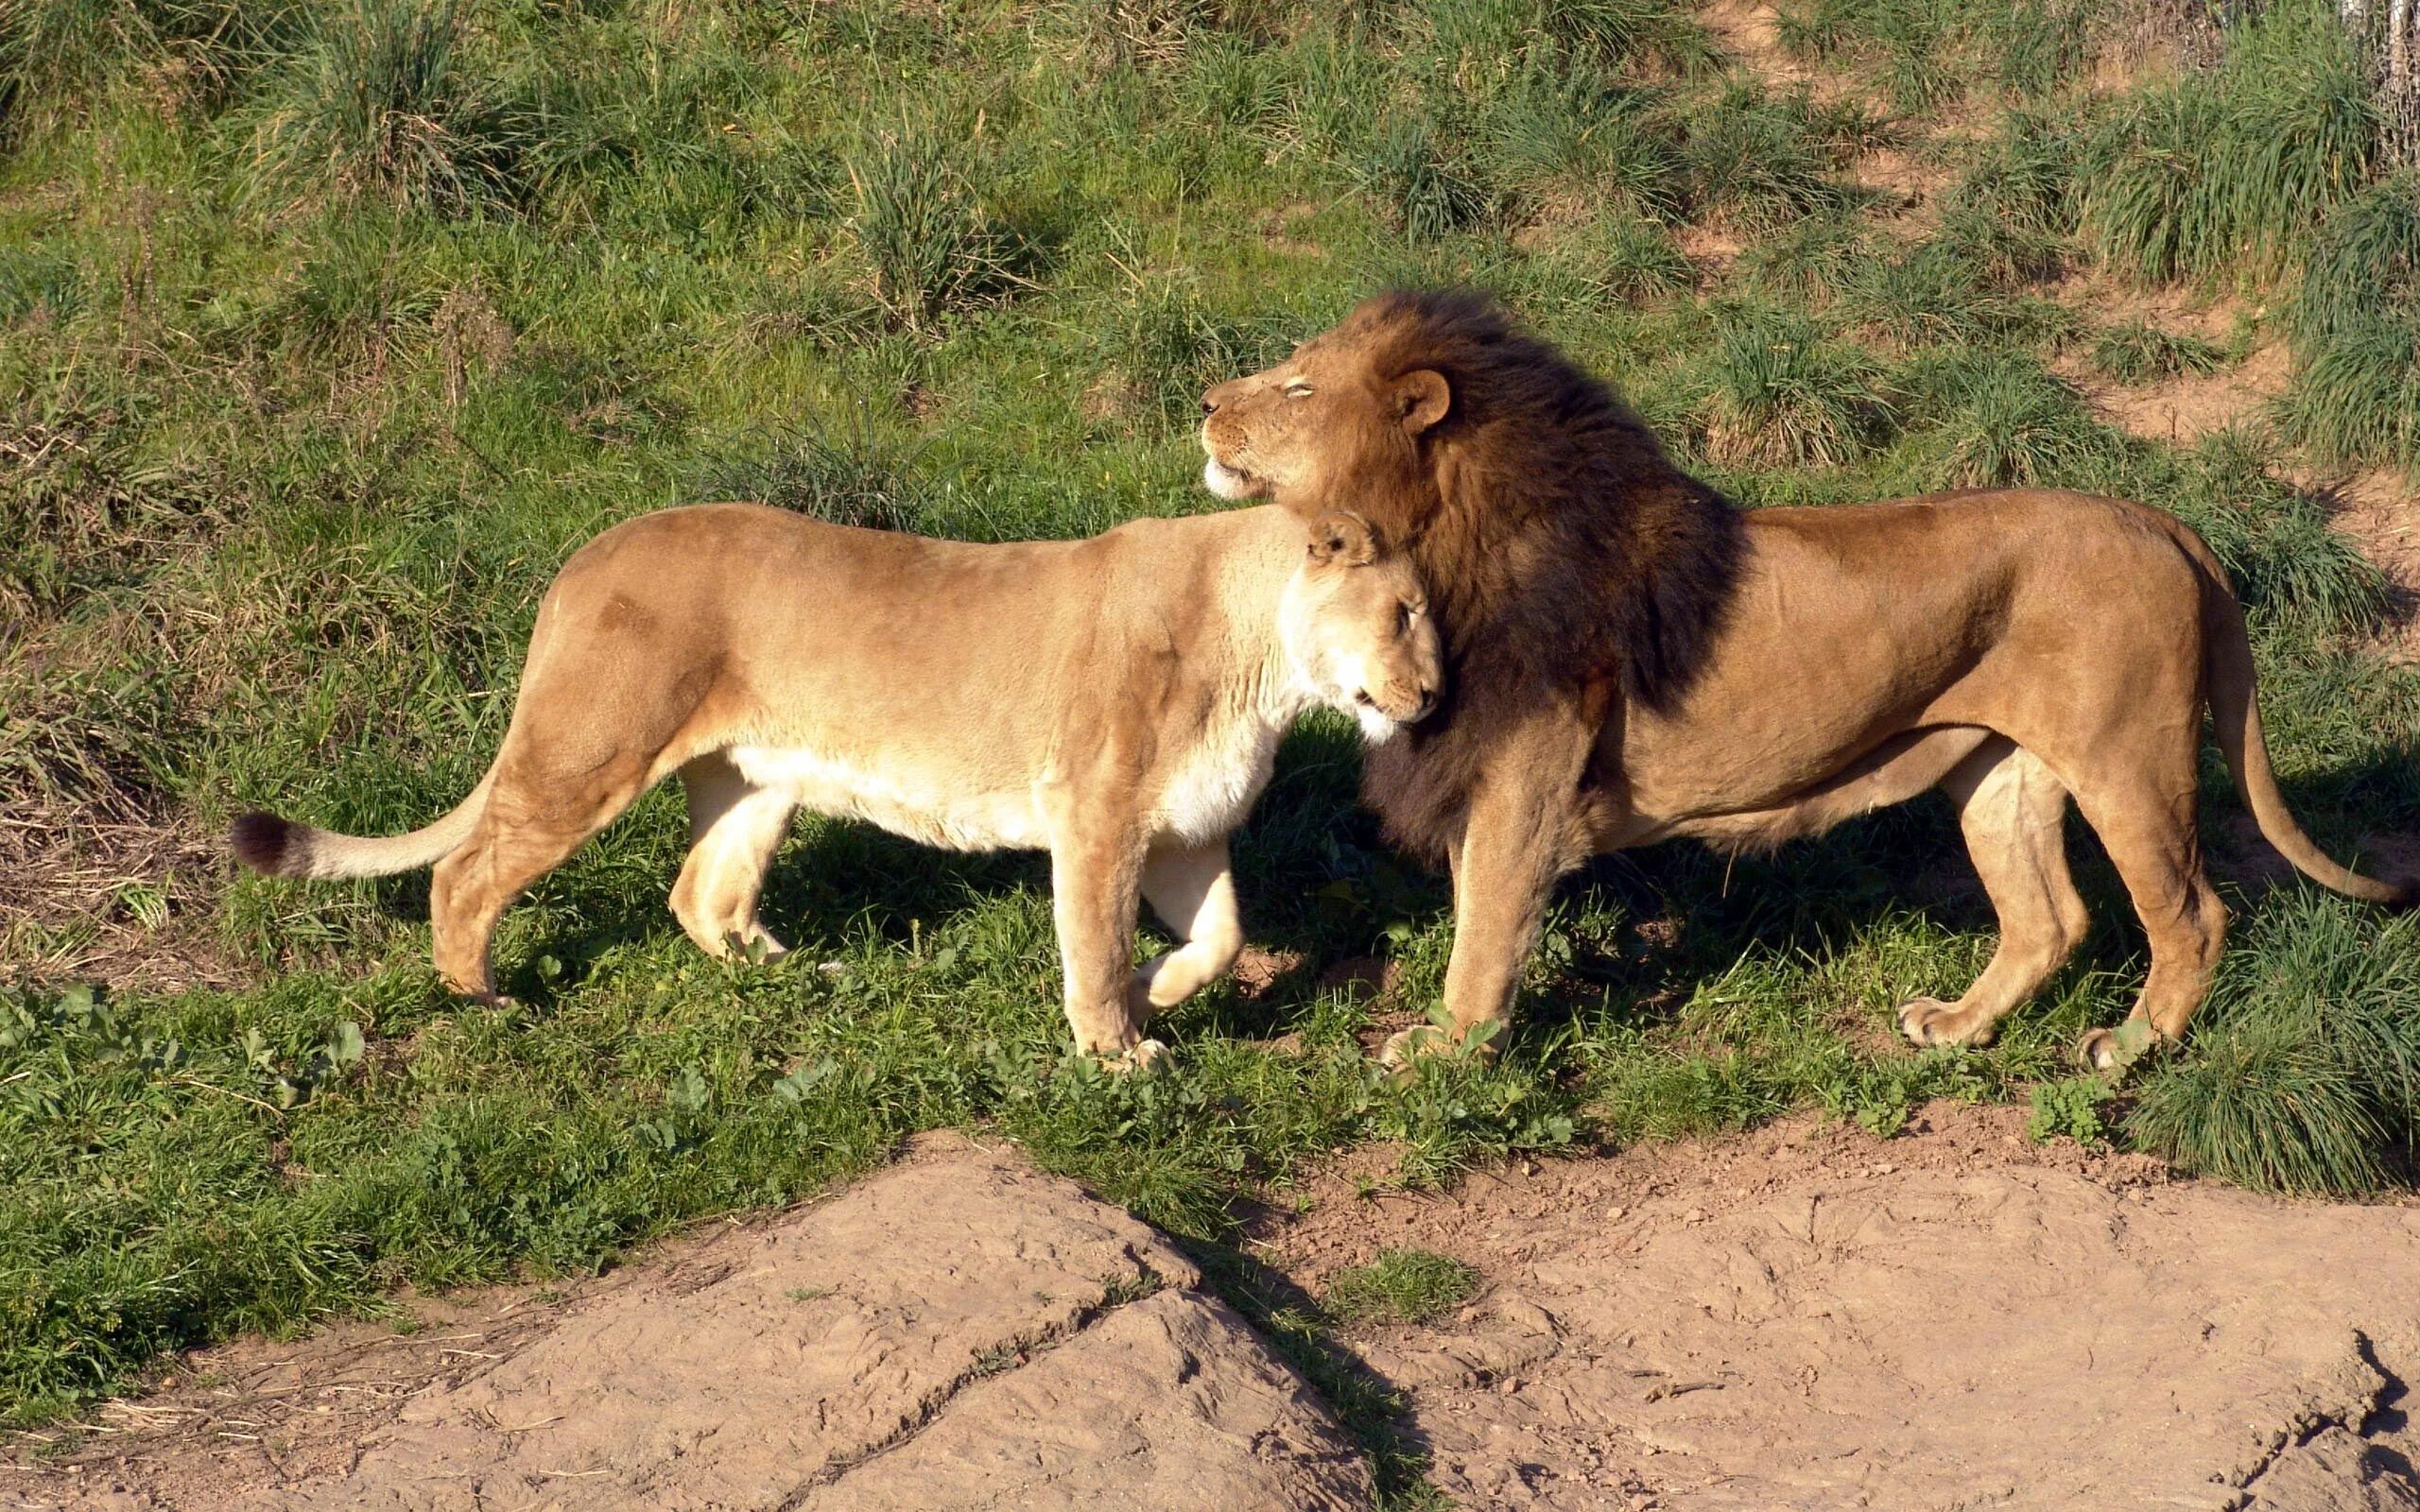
(1564, 549)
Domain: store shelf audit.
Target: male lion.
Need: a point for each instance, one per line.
(1631, 658)
(1117, 701)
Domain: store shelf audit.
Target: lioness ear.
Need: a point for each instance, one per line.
(1422, 398)
(1344, 539)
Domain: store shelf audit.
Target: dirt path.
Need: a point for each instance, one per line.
(1803, 1317)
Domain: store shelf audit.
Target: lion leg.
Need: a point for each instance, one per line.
(2146, 824)
(1095, 887)
(1522, 831)
(2013, 812)
(734, 828)
(1193, 890)
(532, 823)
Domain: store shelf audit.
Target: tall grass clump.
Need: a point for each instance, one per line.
(844, 476)
(387, 103)
(1578, 145)
(1423, 180)
(2229, 172)
(1757, 161)
(1924, 52)
(1904, 43)
(932, 246)
(1558, 35)
(2001, 420)
(2025, 176)
(2136, 351)
(1783, 394)
(52, 51)
(2354, 324)
(2303, 1074)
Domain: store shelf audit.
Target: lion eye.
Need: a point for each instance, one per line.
(1298, 389)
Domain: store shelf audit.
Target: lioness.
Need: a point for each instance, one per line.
(1631, 658)
(1117, 701)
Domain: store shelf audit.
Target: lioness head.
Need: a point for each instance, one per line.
(1355, 624)
(1339, 419)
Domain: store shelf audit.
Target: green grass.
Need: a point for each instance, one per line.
(2138, 352)
(328, 330)
(1400, 1286)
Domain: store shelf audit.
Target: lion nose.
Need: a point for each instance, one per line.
(1427, 705)
(1213, 396)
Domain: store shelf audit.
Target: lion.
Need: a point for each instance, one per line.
(1632, 658)
(1117, 701)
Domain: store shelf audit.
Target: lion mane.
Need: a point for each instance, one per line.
(1561, 547)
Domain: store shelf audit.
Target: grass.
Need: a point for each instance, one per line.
(2138, 352)
(327, 330)
(1400, 1286)
(2355, 326)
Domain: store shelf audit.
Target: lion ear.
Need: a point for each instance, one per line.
(1422, 398)
(1344, 539)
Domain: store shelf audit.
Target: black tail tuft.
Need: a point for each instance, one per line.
(260, 840)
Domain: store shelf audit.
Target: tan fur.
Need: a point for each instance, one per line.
(2015, 648)
(1116, 701)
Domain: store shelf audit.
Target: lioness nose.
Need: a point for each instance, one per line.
(1213, 396)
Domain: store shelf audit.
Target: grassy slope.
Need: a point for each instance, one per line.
(306, 390)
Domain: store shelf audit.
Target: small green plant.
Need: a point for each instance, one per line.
(2067, 1109)
(1400, 1286)
(2136, 353)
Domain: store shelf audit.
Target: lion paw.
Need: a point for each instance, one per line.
(1142, 1056)
(2113, 1050)
(1406, 1048)
(1930, 1022)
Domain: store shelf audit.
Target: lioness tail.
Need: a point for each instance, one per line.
(2235, 713)
(280, 848)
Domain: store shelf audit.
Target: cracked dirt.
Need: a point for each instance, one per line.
(1802, 1318)
(956, 1332)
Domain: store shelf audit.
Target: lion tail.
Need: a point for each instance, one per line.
(2234, 710)
(280, 848)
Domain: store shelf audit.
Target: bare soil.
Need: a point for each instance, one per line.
(1812, 1318)
(1805, 1316)
(956, 1331)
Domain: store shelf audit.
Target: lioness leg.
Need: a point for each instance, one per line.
(2146, 822)
(1193, 890)
(2013, 812)
(1095, 884)
(531, 826)
(734, 828)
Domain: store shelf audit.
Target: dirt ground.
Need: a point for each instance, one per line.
(1809, 1317)
(1805, 1316)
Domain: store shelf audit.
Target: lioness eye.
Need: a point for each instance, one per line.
(1298, 389)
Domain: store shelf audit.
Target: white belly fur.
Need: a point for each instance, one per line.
(1208, 796)
(1204, 800)
(955, 821)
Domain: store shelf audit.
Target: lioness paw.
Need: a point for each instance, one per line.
(1930, 1022)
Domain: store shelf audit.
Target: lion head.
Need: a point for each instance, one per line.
(1560, 545)
(1354, 622)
